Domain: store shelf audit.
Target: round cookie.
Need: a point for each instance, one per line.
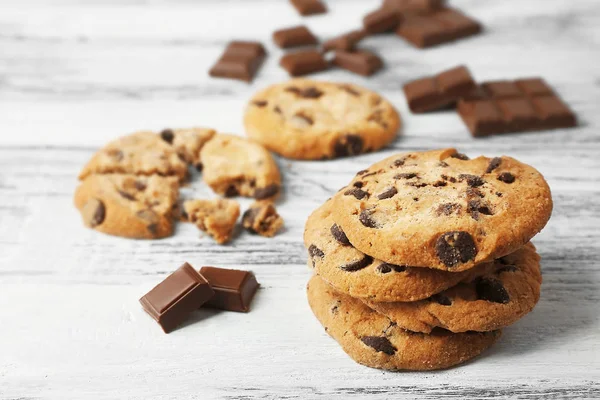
(374, 340)
(359, 275)
(313, 120)
(438, 209)
(188, 142)
(237, 166)
(141, 153)
(131, 206)
(492, 301)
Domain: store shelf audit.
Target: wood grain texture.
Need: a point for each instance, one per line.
(75, 74)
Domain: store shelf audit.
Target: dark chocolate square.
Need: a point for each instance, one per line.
(553, 113)
(234, 289)
(534, 87)
(518, 113)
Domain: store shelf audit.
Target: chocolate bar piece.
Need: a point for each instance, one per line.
(240, 60)
(381, 20)
(361, 62)
(439, 91)
(309, 7)
(303, 62)
(172, 300)
(413, 5)
(234, 289)
(522, 105)
(437, 27)
(345, 42)
(293, 37)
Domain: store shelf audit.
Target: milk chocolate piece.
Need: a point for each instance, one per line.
(345, 42)
(360, 62)
(413, 5)
(381, 20)
(438, 91)
(506, 106)
(234, 289)
(240, 60)
(294, 37)
(436, 27)
(172, 300)
(303, 62)
(309, 7)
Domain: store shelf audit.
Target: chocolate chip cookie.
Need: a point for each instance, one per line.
(374, 340)
(216, 217)
(235, 166)
(188, 142)
(262, 218)
(438, 209)
(126, 205)
(489, 302)
(312, 120)
(352, 272)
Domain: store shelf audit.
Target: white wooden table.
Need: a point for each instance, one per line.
(75, 74)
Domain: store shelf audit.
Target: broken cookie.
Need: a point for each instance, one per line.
(216, 217)
(262, 218)
(188, 142)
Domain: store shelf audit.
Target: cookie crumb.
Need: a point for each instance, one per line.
(262, 219)
(216, 217)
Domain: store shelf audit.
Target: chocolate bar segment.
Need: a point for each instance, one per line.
(240, 60)
(439, 91)
(294, 37)
(345, 42)
(413, 5)
(360, 62)
(436, 27)
(234, 289)
(172, 300)
(381, 20)
(303, 62)
(309, 7)
(506, 106)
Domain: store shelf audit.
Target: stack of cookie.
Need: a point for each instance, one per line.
(424, 257)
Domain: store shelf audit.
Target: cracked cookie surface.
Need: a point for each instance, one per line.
(438, 209)
(313, 120)
(216, 217)
(188, 142)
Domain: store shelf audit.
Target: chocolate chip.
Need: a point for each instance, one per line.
(494, 163)
(339, 235)
(260, 103)
(302, 120)
(358, 184)
(248, 219)
(126, 195)
(307, 93)
(348, 145)
(389, 193)
(472, 180)
(460, 156)
(349, 89)
(366, 220)
(440, 183)
(385, 268)
(357, 265)
(448, 178)
(399, 162)
(314, 251)
(498, 194)
(406, 175)
(93, 213)
(442, 164)
(506, 177)
(441, 299)
(231, 191)
(199, 167)
(507, 268)
(491, 290)
(417, 185)
(362, 172)
(476, 207)
(455, 247)
(266, 192)
(448, 209)
(139, 185)
(380, 344)
(371, 173)
(356, 192)
(167, 135)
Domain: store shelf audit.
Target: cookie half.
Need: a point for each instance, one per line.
(438, 209)
(489, 302)
(313, 120)
(131, 206)
(374, 340)
(352, 272)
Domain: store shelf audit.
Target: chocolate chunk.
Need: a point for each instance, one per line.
(440, 183)
(448, 178)
(294, 37)
(506, 177)
(93, 213)
(314, 251)
(399, 162)
(139, 185)
(362, 172)
(417, 185)
(455, 247)
(472, 180)
(231, 191)
(360, 62)
(494, 163)
(260, 103)
(339, 235)
(460, 156)
(380, 344)
(479, 207)
(266, 192)
(199, 167)
(240, 60)
(448, 209)
(389, 193)
(366, 219)
(357, 265)
(309, 7)
(358, 184)
(234, 289)
(345, 42)
(491, 290)
(310, 92)
(174, 299)
(126, 195)
(385, 268)
(381, 20)
(406, 175)
(303, 62)
(167, 135)
(359, 194)
(348, 145)
(441, 299)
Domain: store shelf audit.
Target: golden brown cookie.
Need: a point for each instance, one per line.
(262, 218)
(374, 340)
(438, 209)
(359, 275)
(236, 166)
(127, 205)
(313, 120)
(216, 217)
(489, 302)
(188, 142)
